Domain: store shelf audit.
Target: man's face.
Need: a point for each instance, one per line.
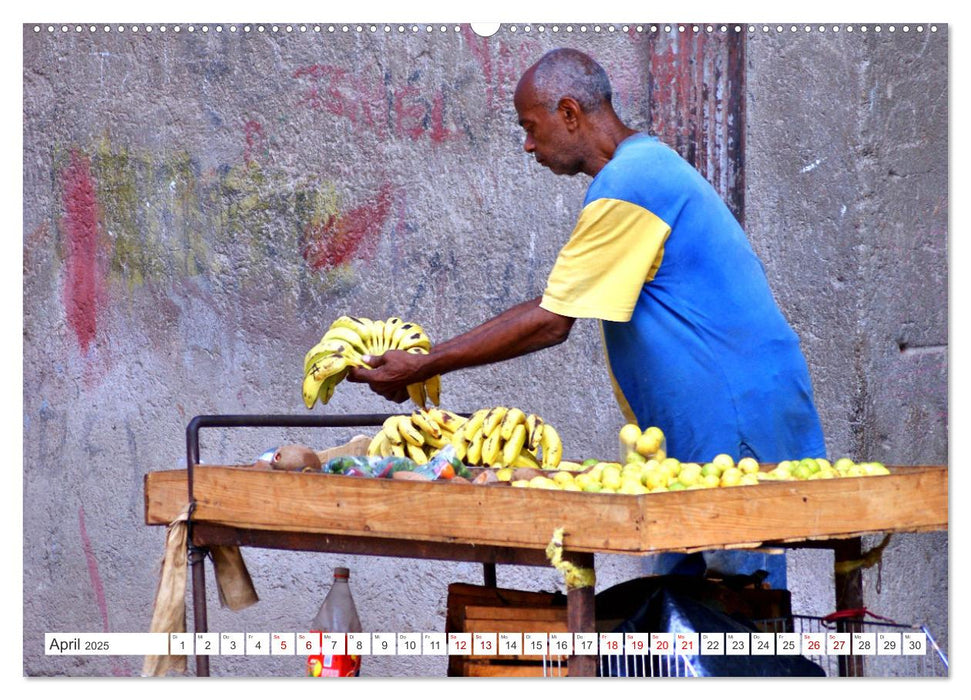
(547, 135)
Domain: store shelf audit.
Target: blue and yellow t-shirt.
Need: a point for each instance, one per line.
(695, 342)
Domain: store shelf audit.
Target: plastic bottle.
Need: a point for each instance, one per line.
(337, 614)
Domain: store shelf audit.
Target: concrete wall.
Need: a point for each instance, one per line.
(199, 206)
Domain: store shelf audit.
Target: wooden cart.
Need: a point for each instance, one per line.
(238, 505)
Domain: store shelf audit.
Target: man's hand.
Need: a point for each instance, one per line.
(391, 374)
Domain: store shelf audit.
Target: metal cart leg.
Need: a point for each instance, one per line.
(849, 596)
(197, 559)
(581, 617)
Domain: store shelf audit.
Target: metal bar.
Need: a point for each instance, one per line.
(581, 617)
(849, 596)
(197, 556)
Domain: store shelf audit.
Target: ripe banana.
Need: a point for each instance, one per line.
(425, 422)
(433, 388)
(348, 336)
(513, 417)
(552, 447)
(474, 452)
(409, 432)
(491, 447)
(534, 425)
(514, 445)
(493, 419)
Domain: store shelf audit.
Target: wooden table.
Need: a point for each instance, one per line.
(503, 525)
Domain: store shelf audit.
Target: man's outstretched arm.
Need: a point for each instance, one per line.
(523, 329)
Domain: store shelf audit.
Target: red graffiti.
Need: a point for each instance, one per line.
(340, 238)
(84, 284)
(96, 584)
(502, 66)
(255, 140)
(374, 108)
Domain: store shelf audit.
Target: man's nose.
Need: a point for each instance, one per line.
(529, 145)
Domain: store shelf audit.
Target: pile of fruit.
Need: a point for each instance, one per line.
(346, 342)
(492, 437)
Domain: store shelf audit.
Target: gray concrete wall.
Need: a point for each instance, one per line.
(199, 206)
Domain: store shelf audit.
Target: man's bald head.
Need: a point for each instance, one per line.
(569, 73)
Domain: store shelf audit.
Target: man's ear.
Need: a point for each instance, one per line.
(570, 110)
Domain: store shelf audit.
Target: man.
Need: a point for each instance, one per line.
(695, 342)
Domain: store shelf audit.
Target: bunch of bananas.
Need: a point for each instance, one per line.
(507, 437)
(344, 344)
(418, 436)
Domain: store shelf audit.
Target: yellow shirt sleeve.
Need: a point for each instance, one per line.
(615, 248)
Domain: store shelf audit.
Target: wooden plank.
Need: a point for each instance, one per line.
(911, 499)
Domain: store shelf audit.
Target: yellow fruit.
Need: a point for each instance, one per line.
(542, 482)
(748, 480)
(723, 460)
(520, 483)
(504, 474)
(563, 477)
(654, 478)
(690, 473)
(747, 465)
(610, 478)
(570, 466)
(629, 435)
(650, 441)
(731, 477)
(632, 488)
(570, 487)
(592, 486)
(710, 481)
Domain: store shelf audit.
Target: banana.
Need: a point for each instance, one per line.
(359, 325)
(536, 435)
(374, 447)
(532, 423)
(390, 429)
(400, 332)
(323, 368)
(459, 442)
(491, 447)
(446, 419)
(348, 336)
(330, 385)
(474, 424)
(390, 327)
(418, 339)
(376, 344)
(416, 392)
(311, 389)
(525, 459)
(512, 418)
(425, 422)
(433, 388)
(474, 452)
(494, 418)
(409, 432)
(415, 453)
(552, 447)
(434, 442)
(398, 450)
(514, 444)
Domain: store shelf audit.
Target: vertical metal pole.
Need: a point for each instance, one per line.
(197, 559)
(849, 596)
(581, 617)
(489, 573)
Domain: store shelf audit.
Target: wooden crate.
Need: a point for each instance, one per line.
(483, 609)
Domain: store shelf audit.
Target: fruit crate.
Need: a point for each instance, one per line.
(474, 609)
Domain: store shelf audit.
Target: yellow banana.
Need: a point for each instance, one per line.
(532, 421)
(552, 447)
(512, 418)
(474, 424)
(525, 459)
(330, 385)
(390, 327)
(493, 420)
(415, 453)
(390, 428)
(514, 444)
(374, 447)
(348, 336)
(311, 388)
(409, 432)
(418, 339)
(398, 450)
(434, 442)
(460, 444)
(425, 422)
(433, 388)
(491, 448)
(376, 343)
(400, 332)
(326, 366)
(358, 324)
(416, 392)
(446, 419)
(536, 435)
(474, 452)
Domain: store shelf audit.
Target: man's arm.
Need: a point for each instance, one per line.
(520, 330)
